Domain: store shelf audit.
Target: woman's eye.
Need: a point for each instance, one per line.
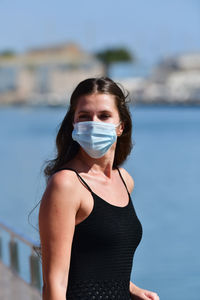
(86, 117)
(104, 116)
(83, 117)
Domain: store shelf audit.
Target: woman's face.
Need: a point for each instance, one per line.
(98, 107)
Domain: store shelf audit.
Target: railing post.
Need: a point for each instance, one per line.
(1, 247)
(14, 258)
(35, 270)
(34, 260)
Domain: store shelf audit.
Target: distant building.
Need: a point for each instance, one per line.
(46, 75)
(175, 80)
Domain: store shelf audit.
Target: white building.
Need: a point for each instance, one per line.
(46, 75)
(174, 80)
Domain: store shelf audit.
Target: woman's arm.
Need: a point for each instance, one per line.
(58, 209)
(141, 294)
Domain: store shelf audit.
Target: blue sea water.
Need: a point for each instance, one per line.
(165, 165)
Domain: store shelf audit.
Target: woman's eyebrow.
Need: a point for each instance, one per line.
(83, 111)
(106, 111)
(101, 111)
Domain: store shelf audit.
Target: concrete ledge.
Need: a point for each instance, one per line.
(13, 287)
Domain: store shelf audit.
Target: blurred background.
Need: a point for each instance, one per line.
(150, 47)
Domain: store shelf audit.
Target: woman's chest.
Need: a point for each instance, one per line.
(113, 191)
(109, 226)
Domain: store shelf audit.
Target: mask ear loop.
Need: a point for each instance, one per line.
(116, 125)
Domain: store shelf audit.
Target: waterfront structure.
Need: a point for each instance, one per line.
(175, 80)
(45, 75)
(12, 285)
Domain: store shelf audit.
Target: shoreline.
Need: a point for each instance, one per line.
(134, 104)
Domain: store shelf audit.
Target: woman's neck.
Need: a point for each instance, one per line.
(96, 166)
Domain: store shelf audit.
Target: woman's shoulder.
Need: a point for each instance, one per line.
(128, 179)
(60, 188)
(63, 176)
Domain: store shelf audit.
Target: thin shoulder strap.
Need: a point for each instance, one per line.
(77, 175)
(123, 179)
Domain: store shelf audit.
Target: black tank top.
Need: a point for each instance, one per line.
(102, 250)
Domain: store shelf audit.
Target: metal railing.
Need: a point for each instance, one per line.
(34, 261)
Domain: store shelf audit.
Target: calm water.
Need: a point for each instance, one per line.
(165, 164)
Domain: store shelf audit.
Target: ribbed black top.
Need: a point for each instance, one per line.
(102, 250)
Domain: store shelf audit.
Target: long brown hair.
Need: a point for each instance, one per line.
(67, 148)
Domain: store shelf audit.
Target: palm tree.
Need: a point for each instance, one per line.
(113, 55)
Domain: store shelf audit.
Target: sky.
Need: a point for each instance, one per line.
(149, 29)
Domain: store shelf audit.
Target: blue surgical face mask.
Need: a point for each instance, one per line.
(95, 137)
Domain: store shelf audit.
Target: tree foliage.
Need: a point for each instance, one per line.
(113, 55)
(7, 53)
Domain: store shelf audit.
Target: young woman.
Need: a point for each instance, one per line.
(88, 227)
